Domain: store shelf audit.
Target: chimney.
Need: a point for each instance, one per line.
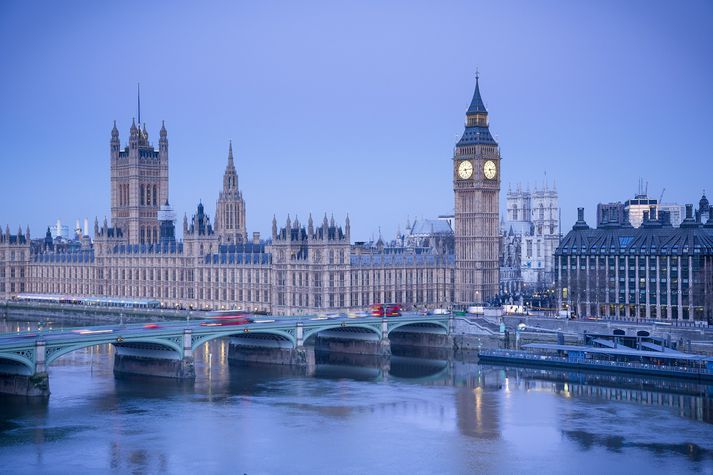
(665, 218)
(689, 222)
(652, 213)
(580, 224)
(256, 237)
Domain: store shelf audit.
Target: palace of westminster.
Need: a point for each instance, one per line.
(643, 260)
(302, 268)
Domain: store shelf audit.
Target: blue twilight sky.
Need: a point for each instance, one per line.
(353, 107)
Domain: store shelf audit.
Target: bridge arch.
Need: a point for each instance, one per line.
(22, 360)
(199, 340)
(441, 327)
(346, 326)
(54, 354)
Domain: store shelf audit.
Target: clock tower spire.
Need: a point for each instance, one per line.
(476, 185)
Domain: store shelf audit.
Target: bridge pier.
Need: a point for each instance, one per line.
(155, 360)
(380, 347)
(424, 337)
(15, 380)
(367, 343)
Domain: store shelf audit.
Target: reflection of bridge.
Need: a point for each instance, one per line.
(167, 350)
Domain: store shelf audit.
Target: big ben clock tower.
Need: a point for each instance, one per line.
(476, 184)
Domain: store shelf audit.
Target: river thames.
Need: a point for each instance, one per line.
(414, 415)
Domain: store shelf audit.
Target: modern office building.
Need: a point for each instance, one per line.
(655, 271)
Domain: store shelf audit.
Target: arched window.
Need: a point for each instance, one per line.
(142, 195)
(155, 197)
(542, 211)
(514, 212)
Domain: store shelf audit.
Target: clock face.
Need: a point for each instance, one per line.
(465, 169)
(490, 170)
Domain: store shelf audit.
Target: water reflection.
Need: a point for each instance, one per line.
(687, 399)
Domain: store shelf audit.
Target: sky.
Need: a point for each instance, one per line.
(353, 107)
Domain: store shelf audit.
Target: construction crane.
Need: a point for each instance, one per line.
(661, 195)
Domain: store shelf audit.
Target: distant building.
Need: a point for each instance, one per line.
(528, 239)
(675, 211)
(60, 230)
(632, 211)
(636, 207)
(704, 208)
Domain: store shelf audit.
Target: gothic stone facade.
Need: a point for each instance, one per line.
(299, 269)
(529, 237)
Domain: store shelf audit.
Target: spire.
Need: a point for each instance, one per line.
(114, 131)
(476, 121)
(476, 105)
(163, 129)
(310, 225)
(133, 125)
(231, 163)
(230, 177)
(274, 227)
(138, 98)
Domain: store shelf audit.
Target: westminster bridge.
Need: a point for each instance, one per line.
(166, 349)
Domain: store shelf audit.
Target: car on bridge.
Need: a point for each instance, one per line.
(226, 320)
(89, 331)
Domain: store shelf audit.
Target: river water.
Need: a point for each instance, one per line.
(415, 415)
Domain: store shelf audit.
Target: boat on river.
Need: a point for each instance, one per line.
(668, 363)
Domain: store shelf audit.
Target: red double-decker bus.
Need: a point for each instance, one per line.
(385, 310)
